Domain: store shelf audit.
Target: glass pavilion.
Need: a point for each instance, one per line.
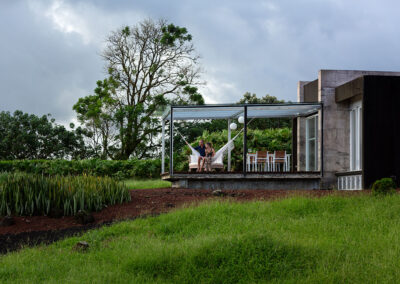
(232, 113)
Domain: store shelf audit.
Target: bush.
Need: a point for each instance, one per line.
(30, 194)
(116, 169)
(383, 186)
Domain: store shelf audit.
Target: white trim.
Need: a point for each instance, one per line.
(313, 118)
(355, 140)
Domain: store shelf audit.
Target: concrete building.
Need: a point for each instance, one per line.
(351, 140)
(346, 135)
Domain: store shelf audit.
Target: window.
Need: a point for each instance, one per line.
(312, 143)
(355, 136)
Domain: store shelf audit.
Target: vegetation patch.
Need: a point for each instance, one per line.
(28, 194)
(296, 240)
(383, 186)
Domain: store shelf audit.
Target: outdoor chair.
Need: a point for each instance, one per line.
(252, 162)
(280, 158)
(262, 161)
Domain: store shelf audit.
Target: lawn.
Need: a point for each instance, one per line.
(297, 240)
(146, 183)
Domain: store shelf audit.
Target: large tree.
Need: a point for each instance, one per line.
(27, 136)
(151, 63)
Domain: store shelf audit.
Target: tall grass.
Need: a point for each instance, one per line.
(28, 194)
(298, 240)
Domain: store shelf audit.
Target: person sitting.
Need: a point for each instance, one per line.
(209, 153)
(202, 150)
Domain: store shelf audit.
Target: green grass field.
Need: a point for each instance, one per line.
(297, 240)
(146, 183)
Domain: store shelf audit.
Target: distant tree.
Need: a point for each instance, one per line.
(97, 113)
(265, 123)
(249, 98)
(149, 65)
(27, 136)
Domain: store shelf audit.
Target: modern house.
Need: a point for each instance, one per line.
(346, 127)
(354, 138)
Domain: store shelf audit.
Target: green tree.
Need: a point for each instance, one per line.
(96, 113)
(151, 64)
(265, 123)
(27, 136)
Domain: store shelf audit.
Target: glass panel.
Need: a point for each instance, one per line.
(311, 157)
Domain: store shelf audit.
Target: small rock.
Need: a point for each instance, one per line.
(81, 246)
(218, 192)
(7, 221)
(82, 217)
(170, 205)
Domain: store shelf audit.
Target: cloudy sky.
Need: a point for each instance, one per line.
(49, 49)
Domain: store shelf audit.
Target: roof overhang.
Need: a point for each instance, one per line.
(235, 110)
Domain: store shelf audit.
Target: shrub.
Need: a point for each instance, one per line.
(383, 186)
(31, 194)
(116, 169)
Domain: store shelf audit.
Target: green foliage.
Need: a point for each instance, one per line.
(383, 186)
(172, 33)
(146, 183)
(261, 140)
(27, 136)
(28, 194)
(298, 240)
(149, 65)
(116, 169)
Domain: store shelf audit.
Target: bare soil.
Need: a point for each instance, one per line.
(32, 230)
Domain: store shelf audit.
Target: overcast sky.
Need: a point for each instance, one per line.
(49, 49)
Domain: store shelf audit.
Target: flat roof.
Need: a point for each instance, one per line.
(195, 112)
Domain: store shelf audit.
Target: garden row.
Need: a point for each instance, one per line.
(32, 194)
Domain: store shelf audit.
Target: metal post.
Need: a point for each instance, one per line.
(229, 148)
(171, 143)
(245, 142)
(163, 146)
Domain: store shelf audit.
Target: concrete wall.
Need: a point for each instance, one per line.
(335, 122)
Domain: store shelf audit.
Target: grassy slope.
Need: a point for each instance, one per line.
(146, 183)
(332, 239)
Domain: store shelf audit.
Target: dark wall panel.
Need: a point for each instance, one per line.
(381, 128)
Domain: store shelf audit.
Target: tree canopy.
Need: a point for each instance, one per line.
(27, 136)
(149, 66)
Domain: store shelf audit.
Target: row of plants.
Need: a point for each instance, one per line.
(113, 168)
(32, 194)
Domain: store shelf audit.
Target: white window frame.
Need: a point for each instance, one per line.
(308, 139)
(355, 142)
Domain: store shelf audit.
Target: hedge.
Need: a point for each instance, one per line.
(116, 169)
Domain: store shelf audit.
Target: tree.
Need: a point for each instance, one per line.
(96, 112)
(25, 136)
(249, 98)
(265, 123)
(151, 64)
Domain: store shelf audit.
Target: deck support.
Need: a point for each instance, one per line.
(230, 148)
(171, 142)
(163, 146)
(245, 141)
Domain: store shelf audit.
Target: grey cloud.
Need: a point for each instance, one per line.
(258, 46)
